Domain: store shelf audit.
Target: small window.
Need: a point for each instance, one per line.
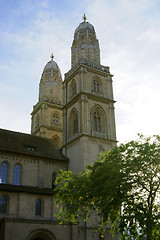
(97, 122)
(55, 119)
(83, 45)
(30, 148)
(96, 86)
(3, 204)
(91, 46)
(75, 124)
(3, 173)
(16, 175)
(38, 208)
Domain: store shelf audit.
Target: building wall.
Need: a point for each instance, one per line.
(22, 205)
(83, 99)
(35, 172)
(84, 82)
(20, 220)
(84, 151)
(29, 230)
(45, 124)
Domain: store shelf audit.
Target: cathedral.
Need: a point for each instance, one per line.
(72, 122)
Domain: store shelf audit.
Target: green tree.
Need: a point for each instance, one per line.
(122, 188)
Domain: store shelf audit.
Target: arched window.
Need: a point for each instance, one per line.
(83, 45)
(38, 207)
(41, 234)
(3, 173)
(96, 86)
(91, 46)
(97, 122)
(75, 123)
(16, 175)
(55, 118)
(3, 204)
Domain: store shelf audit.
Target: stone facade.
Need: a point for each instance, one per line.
(88, 104)
(28, 165)
(72, 122)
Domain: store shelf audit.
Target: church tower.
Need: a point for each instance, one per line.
(47, 113)
(88, 104)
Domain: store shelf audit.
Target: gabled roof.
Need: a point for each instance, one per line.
(22, 143)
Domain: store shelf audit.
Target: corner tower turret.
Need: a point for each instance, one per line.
(85, 44)
(47, 113)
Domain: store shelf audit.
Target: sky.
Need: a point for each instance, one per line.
(129, 36)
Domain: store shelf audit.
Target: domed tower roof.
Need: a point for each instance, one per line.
(50, 88)
(84, 26)
(52, 65)
(85, 44)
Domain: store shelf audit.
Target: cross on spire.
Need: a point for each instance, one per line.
(84, 18)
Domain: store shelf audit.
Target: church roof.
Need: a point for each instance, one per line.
(52, 65)
(83, 26)
(22, 143)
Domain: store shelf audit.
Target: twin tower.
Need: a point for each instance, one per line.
(77, 113)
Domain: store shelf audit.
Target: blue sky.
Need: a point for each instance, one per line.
(129, 37)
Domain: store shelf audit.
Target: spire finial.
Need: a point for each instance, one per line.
(52, 56)
(84, 18)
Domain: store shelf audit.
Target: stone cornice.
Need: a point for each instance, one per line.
(27, 157)
(89, 96)
(49, 104)
(26, 189)
(32, 221)
(91, 138)
(57, 128)
(90, 67)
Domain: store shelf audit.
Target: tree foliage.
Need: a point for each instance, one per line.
(122, 188)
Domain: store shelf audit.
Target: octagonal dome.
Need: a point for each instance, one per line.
(83, 26)
(51, 65)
